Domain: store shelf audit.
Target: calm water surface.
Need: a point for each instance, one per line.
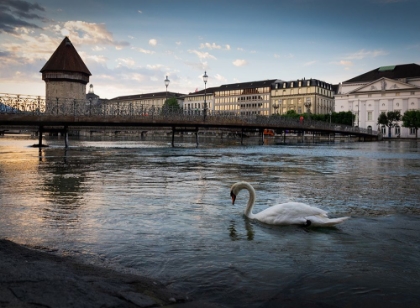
(162, 212)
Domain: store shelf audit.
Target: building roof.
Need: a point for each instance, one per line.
(246, 85)
(154, 95)
(201, 92)
(66, 59)
(312, 82)
(391, 72)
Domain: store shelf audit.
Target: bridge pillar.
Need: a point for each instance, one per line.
(173, 136)
(196, 137)
(66, 136)
(40, 136)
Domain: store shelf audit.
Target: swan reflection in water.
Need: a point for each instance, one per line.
(290, 213)
(234, 234)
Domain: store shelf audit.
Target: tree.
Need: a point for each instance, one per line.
(411, 119)
(171, 105)
(389, 119)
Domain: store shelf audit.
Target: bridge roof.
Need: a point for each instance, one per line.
(66, 59)
(391, 72)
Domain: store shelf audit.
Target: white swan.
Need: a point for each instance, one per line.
(290, 213)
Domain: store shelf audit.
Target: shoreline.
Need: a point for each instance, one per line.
(33, 278)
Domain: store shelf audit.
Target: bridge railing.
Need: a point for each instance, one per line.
(35, 105)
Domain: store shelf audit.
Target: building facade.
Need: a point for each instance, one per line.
(145, 104)
(65, 75)
(302, 95)
(194, 102)
(387, 88)
(247, 98)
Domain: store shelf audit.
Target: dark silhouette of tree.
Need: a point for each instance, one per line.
(389, 119)
(411, 118)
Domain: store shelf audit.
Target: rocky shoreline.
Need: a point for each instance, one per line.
(33, 278)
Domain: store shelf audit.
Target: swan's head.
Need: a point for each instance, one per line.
(234, 190)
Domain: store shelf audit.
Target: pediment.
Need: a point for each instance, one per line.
(383, 84)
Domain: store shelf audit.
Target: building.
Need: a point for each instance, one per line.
(301, 95)
(247, 98)
(65, 75)
(387, 88)
(145, 104)
(194, 102)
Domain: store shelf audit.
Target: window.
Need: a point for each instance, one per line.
(369, 115)
(397, 131)
(412, 131)
(369, 128)
(383, 130)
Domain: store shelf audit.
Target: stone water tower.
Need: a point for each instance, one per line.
(65, 75)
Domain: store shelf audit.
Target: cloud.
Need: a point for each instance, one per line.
(145, 51)
(210, 46)
(129, 62)
(240, 62)
(220, 78)
(213, 46)
(152, 42)
(13, 13)
(140, 12)
(97, 59)
(346, 63)
(202, 55)
(361, 54)
(81, 32)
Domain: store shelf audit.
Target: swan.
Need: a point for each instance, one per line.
(290, 213)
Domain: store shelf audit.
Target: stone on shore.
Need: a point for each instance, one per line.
(32, 278)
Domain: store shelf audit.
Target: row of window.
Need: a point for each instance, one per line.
(397, 130)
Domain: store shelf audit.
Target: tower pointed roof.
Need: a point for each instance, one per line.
(66, 59)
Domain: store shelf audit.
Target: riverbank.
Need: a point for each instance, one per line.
(33, 278)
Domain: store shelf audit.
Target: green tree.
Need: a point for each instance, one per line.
(389, 119)
(171, 105)
(411, 119)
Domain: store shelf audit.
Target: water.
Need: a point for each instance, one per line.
(162, 212)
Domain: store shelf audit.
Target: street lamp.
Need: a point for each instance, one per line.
(166, 85)
(205, 78)
(330, 115)
(308, 104)
(276, 107)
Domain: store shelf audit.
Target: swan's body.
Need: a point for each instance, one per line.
(290, 213)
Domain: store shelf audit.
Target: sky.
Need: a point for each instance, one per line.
(130, 46)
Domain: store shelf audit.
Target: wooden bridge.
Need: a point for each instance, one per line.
(60, 116)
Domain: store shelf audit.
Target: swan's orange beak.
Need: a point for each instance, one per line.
(233, 196)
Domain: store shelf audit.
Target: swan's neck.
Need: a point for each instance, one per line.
(251, 201)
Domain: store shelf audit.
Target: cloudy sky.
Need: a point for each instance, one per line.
(130, 46)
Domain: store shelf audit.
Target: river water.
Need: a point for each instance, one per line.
(143, 207)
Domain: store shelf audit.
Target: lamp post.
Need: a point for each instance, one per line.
(276, 107)
(166, 85)
(308, 104)
(205, 78)
(330, 115)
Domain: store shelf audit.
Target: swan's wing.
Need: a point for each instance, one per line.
(288, 213)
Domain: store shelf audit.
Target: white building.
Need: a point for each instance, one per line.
(387, 88)
(194, 102)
